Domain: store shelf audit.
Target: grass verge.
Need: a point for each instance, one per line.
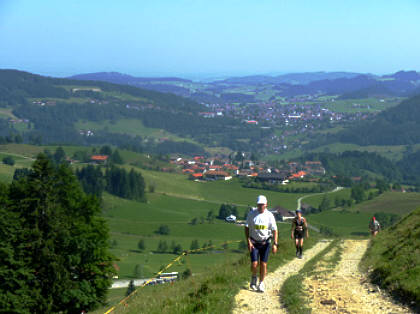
(292, 294)
(210, 291)
(393, 260)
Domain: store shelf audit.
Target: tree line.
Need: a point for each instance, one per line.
(117, 181)
(54, 245)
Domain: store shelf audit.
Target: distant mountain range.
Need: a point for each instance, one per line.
(344, 84)
(290, 78)
(120, 78)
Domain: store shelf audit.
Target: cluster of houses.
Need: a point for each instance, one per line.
(201, 168)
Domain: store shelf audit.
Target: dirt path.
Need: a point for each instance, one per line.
(345, 289)
(248, 301)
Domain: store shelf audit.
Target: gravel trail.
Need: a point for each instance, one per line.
(248, 301)
(345, 289)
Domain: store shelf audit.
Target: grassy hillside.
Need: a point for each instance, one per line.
(390, 202)
(354, 221)
(342, 223)
(131, 127)
(393, 152)
(393, 259)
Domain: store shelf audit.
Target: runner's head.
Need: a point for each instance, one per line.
(298, 212)
(261, 202)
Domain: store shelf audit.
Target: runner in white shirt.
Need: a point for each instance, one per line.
(260, 229)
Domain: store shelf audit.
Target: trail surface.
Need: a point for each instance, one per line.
(248, 301)
(345, 289)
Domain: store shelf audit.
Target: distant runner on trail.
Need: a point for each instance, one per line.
(299, 226)
(260, 228)
(374, 226)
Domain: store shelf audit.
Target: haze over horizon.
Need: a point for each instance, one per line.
(196, 39)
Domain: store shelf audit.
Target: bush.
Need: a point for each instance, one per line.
(163, 229)
(226, 210)
(177, 249)
(186, 273)
(8, 160)
(140, 245)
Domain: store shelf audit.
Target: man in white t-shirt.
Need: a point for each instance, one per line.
(260, 230)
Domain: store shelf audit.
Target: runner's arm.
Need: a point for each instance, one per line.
(275, 233)
(248, 240)
(275, 236)
(306, 228)
(293, 228)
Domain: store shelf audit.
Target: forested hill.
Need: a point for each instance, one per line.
(17, 86)
(399, 125)
(45, 110)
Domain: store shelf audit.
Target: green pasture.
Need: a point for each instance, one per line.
(6, 113)
(343, 223)
(7, 171)
(362, 105)
(131, 127)
(315, 200)
(130, 221)
(394, 152)
(390, 202)
(215, 191)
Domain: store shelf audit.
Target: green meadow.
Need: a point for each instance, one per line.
(128, 126)
(362, 105)
(216, 191)
(315, 200)
(343, 223)
(130, 221)
(390, 202)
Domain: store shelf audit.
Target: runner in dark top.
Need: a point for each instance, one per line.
(299, 226)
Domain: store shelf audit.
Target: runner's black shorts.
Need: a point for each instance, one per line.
(298, 234)
(260, 252)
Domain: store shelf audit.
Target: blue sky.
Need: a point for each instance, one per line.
(214, 37)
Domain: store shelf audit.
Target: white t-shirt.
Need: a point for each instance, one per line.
(260, 225)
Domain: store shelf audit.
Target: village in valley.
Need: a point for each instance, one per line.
(202, 168)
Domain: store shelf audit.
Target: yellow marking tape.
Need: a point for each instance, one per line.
(123, 301)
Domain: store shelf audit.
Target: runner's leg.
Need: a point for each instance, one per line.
(263, 270)
(300, 245)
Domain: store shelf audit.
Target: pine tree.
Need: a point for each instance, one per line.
(194, 245)
(178, 249)
(59, 156)
(325, 203)
(162, 246)
(140, 245)
(61, 240)
(116, 158)
(105, 150)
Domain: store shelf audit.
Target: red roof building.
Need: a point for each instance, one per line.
(99, 158)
